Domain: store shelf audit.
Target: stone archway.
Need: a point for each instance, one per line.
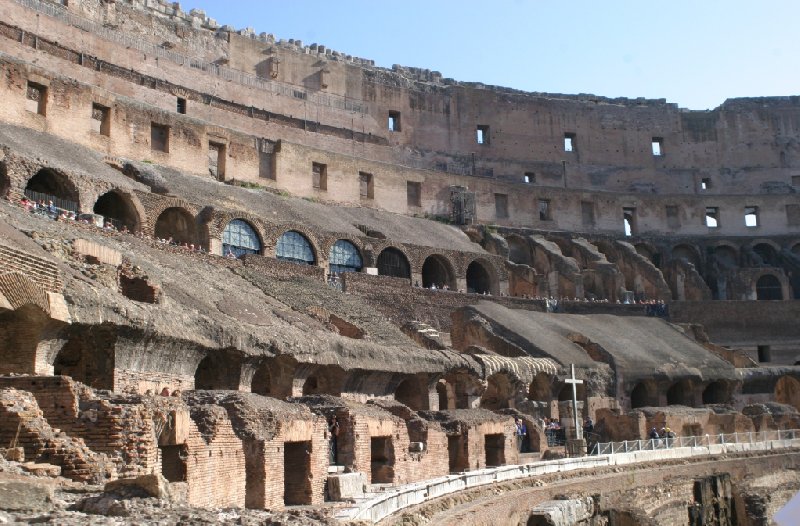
(437, 271)
(565, 393)
(681, 393)
(412, 393)
(446, 395)
(519, 251)
(642, 395)
(767, 253)
(716, 393)
(262, 381)
(392, 262)
(50, 185)
(686, 253)
(119, 209)
(479, 278)
(541, 388)
(177, 224)
(326, 379)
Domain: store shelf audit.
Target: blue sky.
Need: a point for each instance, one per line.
(693, 53)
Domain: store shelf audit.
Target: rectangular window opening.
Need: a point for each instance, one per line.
(216, 160)
(673, 217)
(319, 176)
(705, 183)
(544, 210)
(159, 137)
(36, 98)
(529, 178)
(796, 180)
(501, 206)
(181, 105)
(394, 121)
(101, 119)
(482, 134)
(764, 353)
(413, 193)
(587, 213)
(751, 216)
(629, 221)
(570, 142)
(657, 146)
(366, 185)
(712, 217)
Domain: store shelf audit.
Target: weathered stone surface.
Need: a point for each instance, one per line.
(17, 454)
(346, 486)
(152, 485)
(25, 496)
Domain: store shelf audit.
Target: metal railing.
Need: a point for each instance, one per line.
(233, 75)
(655, 444)
(58, 202)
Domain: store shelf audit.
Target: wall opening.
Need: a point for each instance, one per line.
(262, 381)
(570, 142)
(297, 473)
(681, 393)
(751, 216)
(529, 178)
(657, 146)
(89, 357)
(381, 460)
(768, 288)
(319, 176)
(478, 279)
(178, 225)
(436, 271)
(413, 194)
(587, 213)
(366, 185)
(444, 395)
(767, 254)
(101, 119)
(412, 394)
(173, 462)
(540, 388)
(217, 154)
(712, 217)
(206, 374)
(36, 98)
(494, 448)
(392, 262)
(499, 392)
(764, 353)
(180, 105)
(344, 257)
(394, 121)
(457, 458)
(629, 221)
(716, 393)
(295, 247)
(240, 238)
(159, 137)
(639, 396)
(49, 185)
(687, 254)
(117, 209)
(482, 134)
(565, 393)
(787, 391)
(501, 206)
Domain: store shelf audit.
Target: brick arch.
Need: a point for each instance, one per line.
(382, 257)
(688, 252)
(275, 233)
(155, 205)
(793, 246)
(682, 392)
(767, 249)
(541, 387)
(519, 250)
(56, 183)
(481, 275)
(17, 291)
(133, 218)
(724, 249)
(768, 285)
(644, 394)
(437, 269)
(178, 223)
(219, 219)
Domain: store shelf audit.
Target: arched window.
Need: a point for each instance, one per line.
(177, 224)
(49, 185)
(768, 287)
(344, 257)
(294, 247)
(436, 270)
(240, 238)
(392, 262)
(117, 209)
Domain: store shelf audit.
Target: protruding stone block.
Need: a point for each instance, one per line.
(346, 486)
(25, 496)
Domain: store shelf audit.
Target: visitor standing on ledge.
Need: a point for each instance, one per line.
(333, 429)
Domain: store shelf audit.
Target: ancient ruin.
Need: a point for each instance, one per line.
(242, 277)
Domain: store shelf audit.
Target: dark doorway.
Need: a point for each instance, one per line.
(715, 393)
(456, 454)
(681, 393)
(436, 271)
(382, 460)
(50, 185)
(478, 280)
(639, 396)
(768, 287)
(178, 225)
(494, 446)
(412, 394)
(173, 462)
(296, 473)
(441, 392)
(207, 375)
(262, 381)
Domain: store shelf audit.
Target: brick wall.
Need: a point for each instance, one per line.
(41, 271)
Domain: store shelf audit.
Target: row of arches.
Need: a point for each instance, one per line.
(240, 237)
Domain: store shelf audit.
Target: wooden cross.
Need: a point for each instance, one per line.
(574, 381)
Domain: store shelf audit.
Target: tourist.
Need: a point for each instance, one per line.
(653, 434)
(165, 391)
(522, 434)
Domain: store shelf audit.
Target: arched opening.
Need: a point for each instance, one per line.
(89, 357)
(565, 394)
(639, 396)
(767, 254)
(726, 257)
(262, 381)
(117, 209)
(479, 280)
(5, 181)
(519, 251)
(796, 249)
(344, 257)
(311, 386)
(687, 254)
(240, 238)
(716, 393)
(787, 391)
(681, 393)
(410, 393)
(647, 252)
(295, 247)
(206, 375)
(768, 287)
(392, 262)
(437, 271)
(49, 185)
(178, 225)
(540, 389)
(326, 379)
(443, 394)
(499, 392)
